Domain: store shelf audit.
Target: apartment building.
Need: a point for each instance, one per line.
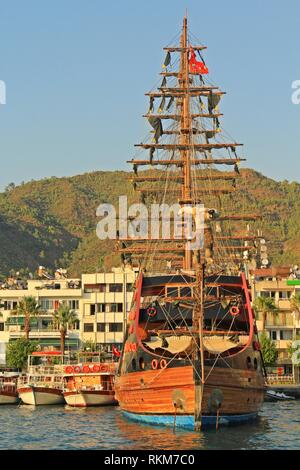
(106, 299)
(101, 302)
(280, 284)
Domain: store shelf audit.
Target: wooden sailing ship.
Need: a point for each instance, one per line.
(191, 355)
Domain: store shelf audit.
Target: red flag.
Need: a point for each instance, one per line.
(115, 351)
(195, 65)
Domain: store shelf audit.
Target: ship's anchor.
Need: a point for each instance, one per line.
(214, 403)
(179, 402)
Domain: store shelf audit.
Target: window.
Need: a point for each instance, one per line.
(284, 294)
(116, 327)
(10, 305)
(1, 326)
(273, 335)
(101, 327)
(185, 292)
(88, 327)
(92, 309)
(268, 294)
(286, 334)
(76, 325)
(129, 287)
(115, 287)
(172, 291)
(93, 288)
(74, 304)
(97, 308)
(116, 307)
(46, 304)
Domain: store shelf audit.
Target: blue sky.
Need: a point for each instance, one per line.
(76, 73)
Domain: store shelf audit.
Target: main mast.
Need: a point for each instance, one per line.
(185, 130)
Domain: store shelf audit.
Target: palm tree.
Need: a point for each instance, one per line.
(295, 304)
(64, 318)
(27, 308)
(265, 305)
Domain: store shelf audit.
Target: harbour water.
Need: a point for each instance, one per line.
(58, 427)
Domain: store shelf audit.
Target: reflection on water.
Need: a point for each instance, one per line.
(58, 427)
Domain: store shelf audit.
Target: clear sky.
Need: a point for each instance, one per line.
(76, 73)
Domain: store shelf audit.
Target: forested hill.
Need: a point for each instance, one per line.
(52, 222)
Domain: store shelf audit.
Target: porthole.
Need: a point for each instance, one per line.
(248, 361)
(255, 363)
(141, 363)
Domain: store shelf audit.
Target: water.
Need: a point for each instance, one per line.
(58, 427)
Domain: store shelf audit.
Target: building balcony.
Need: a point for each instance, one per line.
(282, 343)
(42, 333)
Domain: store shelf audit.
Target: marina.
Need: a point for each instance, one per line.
(105, 428)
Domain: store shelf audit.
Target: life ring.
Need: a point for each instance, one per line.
(69, 369)
(77, 369)
(163, 364)
(103, 368)
(154, 364)
(151, 312)
(86, 369)
(96, 368)
(234, 311)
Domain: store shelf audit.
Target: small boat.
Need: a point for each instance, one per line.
(8, 388)
(89, 384)
(43, 383)
(272, 395)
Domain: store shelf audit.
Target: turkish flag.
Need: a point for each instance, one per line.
(115, 351)
(195, 65)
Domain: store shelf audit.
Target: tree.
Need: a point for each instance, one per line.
(268, 349)
(64, 318)
(295, 304)
(28, 308)
(265, 305)
(17, 352)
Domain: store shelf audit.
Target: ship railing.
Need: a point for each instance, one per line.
(280, 379)
(46, 370)
(39, 383)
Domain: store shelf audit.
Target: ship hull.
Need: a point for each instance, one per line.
(40, 396)
(8, 398)
(188, 422)
(242, 394)
(82, 399)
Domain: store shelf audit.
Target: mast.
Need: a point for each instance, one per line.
(185, 130)
(185, 151)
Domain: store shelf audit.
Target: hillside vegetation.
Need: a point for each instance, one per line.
(52, 222)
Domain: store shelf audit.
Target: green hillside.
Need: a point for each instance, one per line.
(52, 221)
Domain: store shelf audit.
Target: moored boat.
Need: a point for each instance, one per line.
(8, 388)
(43, 382)
(191, 355)
(89, 384)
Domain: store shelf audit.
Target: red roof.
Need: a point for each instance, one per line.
(46, 353)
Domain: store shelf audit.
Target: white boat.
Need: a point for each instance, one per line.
(43, 383)
(89, 384)
(272, 395)
(8, 388)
